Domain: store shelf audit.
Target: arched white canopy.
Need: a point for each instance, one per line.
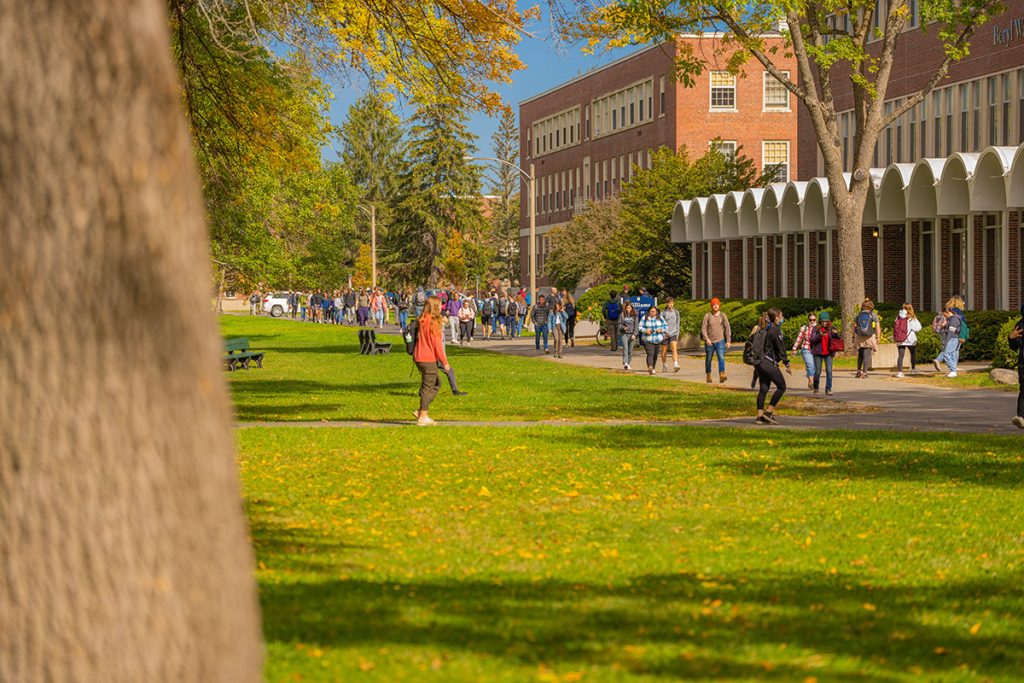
(992, 180)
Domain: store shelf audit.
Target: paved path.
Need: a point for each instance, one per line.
(903, 406)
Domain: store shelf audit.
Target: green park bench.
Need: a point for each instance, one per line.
(239, 355)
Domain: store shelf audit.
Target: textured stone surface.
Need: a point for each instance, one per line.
(1003, 376)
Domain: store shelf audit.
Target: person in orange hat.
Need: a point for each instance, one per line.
(717, 335)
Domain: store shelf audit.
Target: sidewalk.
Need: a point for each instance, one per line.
(904, 406)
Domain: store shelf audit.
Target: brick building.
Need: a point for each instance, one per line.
(586, 137)
(945, 214)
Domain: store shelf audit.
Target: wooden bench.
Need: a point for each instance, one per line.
(239, 355)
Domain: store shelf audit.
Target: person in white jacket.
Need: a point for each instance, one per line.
(904, 333)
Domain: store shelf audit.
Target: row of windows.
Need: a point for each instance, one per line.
(774, 154)
(555, 132)
(963, 117)
(626, 108)
(775, 95)
(843, 22)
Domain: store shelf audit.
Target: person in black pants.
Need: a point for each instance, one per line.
(1017, 344)
(771, 351)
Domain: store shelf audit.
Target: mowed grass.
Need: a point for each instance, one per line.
(315, 372)
(636, 554)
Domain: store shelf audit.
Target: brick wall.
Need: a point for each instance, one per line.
(894, 264)
(945, 250)
(718, 269)
(977, 237)
(789, 253)
(770, 265)
(752, 274)
(869, 247)
(835, 266)
(698, 268)
(915, 264)
(736, 257)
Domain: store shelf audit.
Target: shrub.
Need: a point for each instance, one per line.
(928, 344)
(590, 302)
(794, 307)
(986, 328)
(1002, 355)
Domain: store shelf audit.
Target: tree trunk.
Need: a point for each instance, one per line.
(121, 529)
(849, 208)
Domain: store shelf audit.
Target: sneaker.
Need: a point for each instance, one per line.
(859, 374)
(771, 418)
(828, 392)
(625, 366)
(899, 375)
(938, 368)
(864, 375)
(1018, 422)
(664, 367)
(650, 371)
(815, 390)
(424, 422)
(546, 351)
(810, 383)
(675, 367)
(460, 393)
(952, 374)
(762, 421)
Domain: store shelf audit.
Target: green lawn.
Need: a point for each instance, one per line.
(636, 554)
(314, 372)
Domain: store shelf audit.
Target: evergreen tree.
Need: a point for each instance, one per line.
(372, 153)
(440, 199)
(505, 210)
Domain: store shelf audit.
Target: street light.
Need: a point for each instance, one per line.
(372, 215)
(532, 185)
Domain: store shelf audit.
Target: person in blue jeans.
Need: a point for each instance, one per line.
(802, 345)
(539, 316)
(950, 336)
(717, 336)
(823, 337)
(626, 329)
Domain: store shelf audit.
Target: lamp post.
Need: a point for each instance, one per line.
(532, 185)
(372, 214)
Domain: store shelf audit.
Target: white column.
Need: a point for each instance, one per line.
(746, 294)
(908, 277)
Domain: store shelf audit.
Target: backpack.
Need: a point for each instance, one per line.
(487, 308)
(570, 310)
(899, 330)
(938, 322)
(965, 332)
(611, 310)
(420, 299)
(411, 335)
(753, 348)
(865, 324)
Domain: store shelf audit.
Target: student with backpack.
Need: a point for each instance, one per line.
(671, 317)
(802, 346)
(557, 324)
(625, 330)
(768, 351)
(904, 333)
(865, 338)
(610, 313)
(1016, 340)
(488, 314)
(717, 336)
(952, 335)
(652, 331)
(825, 343)
(569, 303)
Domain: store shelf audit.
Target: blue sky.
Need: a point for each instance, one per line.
(548, 63)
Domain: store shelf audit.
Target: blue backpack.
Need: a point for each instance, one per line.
(865, 324)
(611, 310)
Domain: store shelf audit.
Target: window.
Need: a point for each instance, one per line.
(992, 110)
(776, 96)
(948, 96)
(775, 154)
(965, 105)
(899, 135)
(912, 119)
(725, 147)
(556, 132)
(976, 105)
(1005, 81)
(1020, 105)
(888, 135)
(937, 115)
(923, 118)
(632, 113)
(661, 83)
(723, 91)
(913, 16)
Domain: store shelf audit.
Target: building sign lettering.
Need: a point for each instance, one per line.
(1005, 34)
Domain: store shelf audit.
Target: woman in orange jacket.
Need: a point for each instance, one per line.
(428, 353)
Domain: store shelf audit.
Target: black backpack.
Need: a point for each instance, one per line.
(753, 348)
(487, 308)
(410, 335)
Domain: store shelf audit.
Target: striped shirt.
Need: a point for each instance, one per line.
(653, 330)
(803, 340)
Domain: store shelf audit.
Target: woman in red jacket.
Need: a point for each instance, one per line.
(429, 352)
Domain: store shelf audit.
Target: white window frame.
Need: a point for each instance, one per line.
(711, 91)
(765, 164)
(721, 144)
(768, 78)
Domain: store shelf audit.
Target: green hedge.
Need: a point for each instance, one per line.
(1002, 355)
(985, 330)
(590, 303)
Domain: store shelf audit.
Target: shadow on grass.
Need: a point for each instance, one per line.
(694, 627)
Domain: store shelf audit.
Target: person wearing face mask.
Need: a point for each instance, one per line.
(802, 346)
(904, 333)
(769, 351)
(1017, 344)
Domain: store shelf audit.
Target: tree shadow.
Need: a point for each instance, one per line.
(695, 626)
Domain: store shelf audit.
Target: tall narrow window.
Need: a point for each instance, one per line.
(632, 113)
(888, 135)
(723, 91)
(775, 156)
(948, 97)
(661, 83)
(923, 118)
(965, 106)
(976, 116)
(615, 119)
(899, 135)
(1020, 105)
(1005, 82)
(937, 116)
(992, 111)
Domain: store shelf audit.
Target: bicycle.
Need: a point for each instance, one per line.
(601, 336)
